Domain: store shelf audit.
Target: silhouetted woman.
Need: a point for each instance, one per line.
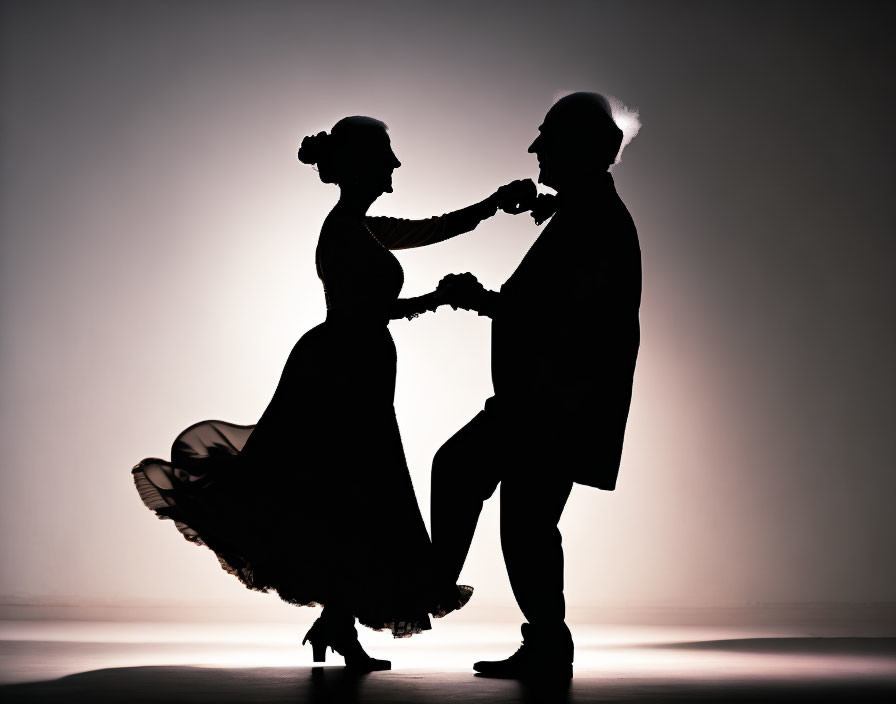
(315, 501)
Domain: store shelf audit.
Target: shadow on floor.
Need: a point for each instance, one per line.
(332, 685)
(859, 647)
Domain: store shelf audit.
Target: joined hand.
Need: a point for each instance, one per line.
(460, 291)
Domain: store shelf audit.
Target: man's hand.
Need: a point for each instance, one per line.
(517, 196)
(460, 291)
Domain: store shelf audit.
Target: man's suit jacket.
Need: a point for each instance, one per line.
(565, 335)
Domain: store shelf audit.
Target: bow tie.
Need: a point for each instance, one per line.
(545, 206)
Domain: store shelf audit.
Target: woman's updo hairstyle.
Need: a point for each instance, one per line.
(340, 154)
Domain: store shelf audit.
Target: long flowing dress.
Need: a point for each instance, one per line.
(315, 501)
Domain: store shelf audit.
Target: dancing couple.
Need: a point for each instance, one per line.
(315, 501)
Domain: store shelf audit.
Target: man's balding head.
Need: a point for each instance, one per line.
(577, 138)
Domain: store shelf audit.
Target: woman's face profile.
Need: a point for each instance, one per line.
(381, 162)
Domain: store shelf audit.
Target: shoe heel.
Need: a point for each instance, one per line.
(319, 651)
(318, 645)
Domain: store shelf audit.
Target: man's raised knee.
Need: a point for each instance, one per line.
(446, 466)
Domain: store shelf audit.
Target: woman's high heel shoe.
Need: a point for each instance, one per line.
(345, 642)
(318, 637)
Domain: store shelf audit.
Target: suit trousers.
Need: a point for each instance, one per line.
(490, 450)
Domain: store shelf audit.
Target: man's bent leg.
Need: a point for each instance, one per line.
(465, 472)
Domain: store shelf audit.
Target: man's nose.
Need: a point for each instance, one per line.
(534, 146)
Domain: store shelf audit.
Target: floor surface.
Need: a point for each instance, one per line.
(159, 662)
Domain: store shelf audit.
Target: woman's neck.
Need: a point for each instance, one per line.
(354, 202)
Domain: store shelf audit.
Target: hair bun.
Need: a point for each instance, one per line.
(312, 148)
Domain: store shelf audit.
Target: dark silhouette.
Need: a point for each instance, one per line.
(565, 338)
(315, 501)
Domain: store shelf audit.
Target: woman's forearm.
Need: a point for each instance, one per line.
(410, 308)
(397, 233)
(466, 219)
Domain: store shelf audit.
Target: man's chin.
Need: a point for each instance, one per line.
(546, 180)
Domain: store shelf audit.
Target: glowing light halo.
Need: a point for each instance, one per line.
(627, 119)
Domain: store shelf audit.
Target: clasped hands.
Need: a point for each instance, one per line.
(464, 290)
(461, 291)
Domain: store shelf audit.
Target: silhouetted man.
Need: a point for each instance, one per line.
(565, 338)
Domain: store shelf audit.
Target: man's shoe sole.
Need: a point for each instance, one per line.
(535, 674)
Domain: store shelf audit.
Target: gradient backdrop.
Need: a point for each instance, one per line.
(158, 234)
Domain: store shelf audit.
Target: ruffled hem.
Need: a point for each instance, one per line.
(153, 480)
(160, 500)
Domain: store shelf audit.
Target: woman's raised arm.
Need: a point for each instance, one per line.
(398, 233)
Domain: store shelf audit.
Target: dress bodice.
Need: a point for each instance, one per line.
(361, 277)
